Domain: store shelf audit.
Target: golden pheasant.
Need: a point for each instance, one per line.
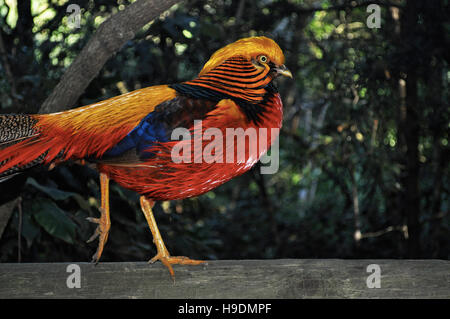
(130, 137)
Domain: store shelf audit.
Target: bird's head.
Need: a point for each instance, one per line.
(262, 52)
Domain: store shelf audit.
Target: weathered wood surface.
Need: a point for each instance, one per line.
(286, 278)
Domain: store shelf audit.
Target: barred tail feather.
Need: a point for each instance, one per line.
(20, 146)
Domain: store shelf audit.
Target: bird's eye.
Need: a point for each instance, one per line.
(263, 59)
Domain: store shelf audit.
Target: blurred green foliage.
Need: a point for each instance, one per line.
(342, 155)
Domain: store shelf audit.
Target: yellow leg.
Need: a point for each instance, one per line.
(163, 254)
(104, 223)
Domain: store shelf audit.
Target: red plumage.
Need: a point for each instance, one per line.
(182, 180)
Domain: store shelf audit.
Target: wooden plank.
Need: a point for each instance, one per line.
(285, 278)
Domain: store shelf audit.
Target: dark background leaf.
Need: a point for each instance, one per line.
(54, 220)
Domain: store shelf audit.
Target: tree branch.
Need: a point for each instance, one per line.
(107, 40)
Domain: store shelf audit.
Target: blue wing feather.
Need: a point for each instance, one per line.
(157, 126)
(141, 138)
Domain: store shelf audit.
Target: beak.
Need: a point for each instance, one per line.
(282, 70)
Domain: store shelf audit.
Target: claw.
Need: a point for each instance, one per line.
(168, 261)
(95, 234)
(163, 254)
(101, 231)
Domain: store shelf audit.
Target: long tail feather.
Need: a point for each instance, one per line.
(16, 127)
(17, 133)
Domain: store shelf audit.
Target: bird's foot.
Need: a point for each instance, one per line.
(102, 231)
(168, 261)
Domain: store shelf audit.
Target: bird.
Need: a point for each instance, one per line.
(129, 138)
